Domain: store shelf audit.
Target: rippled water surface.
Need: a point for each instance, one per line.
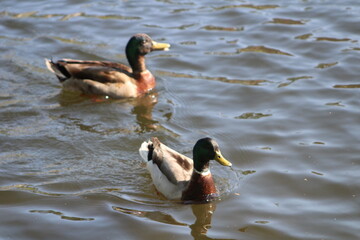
(276, 83)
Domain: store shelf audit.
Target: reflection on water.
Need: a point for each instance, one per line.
(199, 228)
(304, 36)
(286, 21)
(203, 214)
(218, 28)
(253, 115)
(333, 39)
(152, 215)
(326, 65)
(257, 7)
(63, 17)
(61, 215)
(262, 49)
(347, 86)
(142, 108)
(221, 79)
(292, 80)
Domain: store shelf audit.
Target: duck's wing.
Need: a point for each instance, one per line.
(99, 71)
(176, 167)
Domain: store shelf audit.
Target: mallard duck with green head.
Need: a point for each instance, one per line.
(107, 78)
(179, 177)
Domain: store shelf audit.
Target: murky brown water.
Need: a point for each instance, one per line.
(275, 83)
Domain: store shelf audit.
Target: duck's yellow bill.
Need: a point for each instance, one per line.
(160, 46)
(220, 159)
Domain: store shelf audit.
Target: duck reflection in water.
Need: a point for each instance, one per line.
(199, 229)
(203, 214)
(142, 107)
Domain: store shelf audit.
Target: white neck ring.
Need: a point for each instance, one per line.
(205, 172)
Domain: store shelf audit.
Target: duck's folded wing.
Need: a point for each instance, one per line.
(175, 166)
(86, 63)
(99, 71)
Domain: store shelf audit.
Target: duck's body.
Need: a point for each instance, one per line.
(111, 79)
(179, 177)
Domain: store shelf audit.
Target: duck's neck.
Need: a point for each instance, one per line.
(145, 80)
(201, 187)
(137, 63)
(201, 166)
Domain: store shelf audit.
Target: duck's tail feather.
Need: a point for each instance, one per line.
(146, 150)
(59, 71)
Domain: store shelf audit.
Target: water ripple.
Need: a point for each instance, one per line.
(257, 7)
(287, 21)
(62, 216)
(347, 86)
(263, 49)
(220, 79)
(330, 39)
(219, 28)
(64, 17)
(156, 216)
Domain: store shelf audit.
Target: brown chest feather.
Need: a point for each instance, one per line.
(145, 81)
(199, 189)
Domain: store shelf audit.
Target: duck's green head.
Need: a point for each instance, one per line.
(142, 44)
(207, 149)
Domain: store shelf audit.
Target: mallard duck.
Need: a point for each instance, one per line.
(109, 78)
(179, 177)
